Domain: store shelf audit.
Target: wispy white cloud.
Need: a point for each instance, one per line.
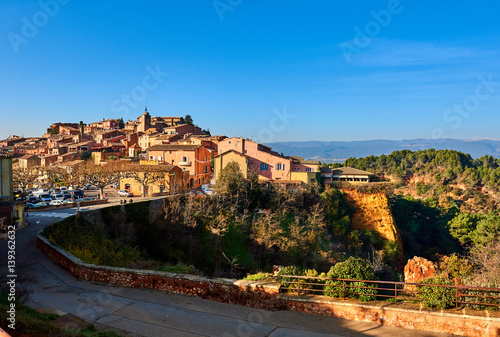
(396, 53)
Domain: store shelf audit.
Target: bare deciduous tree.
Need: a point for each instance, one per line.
(24, 178)
(68, 175)
(487, 260)
(101, 176)
(145, 175)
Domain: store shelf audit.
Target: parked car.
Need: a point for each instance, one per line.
(86, 199)
(56, 203)
(64, 188)
(77, 193)
(40, 191)
(66, 195)
(32, 199)
(31, 205)
(123, 193)
(57, 196)
(42, 204)
(208, 191)
(45, 197)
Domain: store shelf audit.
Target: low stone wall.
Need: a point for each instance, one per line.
(252, 294)
(447, 321)
(265, 295)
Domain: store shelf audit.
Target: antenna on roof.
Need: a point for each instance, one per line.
(146, 108)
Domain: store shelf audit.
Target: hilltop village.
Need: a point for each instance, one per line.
(181, 155)
(170, 142)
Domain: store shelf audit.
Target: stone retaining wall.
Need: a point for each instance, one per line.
(252, 294)
(265, 295)
(424, 319)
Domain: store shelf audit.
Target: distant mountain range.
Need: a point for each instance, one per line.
(330, 152)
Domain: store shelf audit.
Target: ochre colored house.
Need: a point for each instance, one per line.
(172, 182)
(194, 159)
(221, 160)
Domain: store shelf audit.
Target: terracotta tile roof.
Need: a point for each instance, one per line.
(4, 154)
(301, 160)
(28, 156)
(233, 151)
(350, 171)
(139, 167)
(173, 147)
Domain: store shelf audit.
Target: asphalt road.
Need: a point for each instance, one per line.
(141, 312)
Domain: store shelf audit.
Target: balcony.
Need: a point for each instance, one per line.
(185, 163)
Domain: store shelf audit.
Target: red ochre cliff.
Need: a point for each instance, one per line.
(373, 212)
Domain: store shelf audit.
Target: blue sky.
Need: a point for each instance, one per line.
(271, 71)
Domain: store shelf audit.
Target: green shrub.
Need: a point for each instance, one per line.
(390, 250)
(77, 238)
(456, 267)
(316, 287)
(423, 188)
(437, 297)
(258, 277)
(354, 269)
(289, 282)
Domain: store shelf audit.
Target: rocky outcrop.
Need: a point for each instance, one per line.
(418, 269)
(373, 212)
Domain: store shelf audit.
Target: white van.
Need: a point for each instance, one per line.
(40, 191)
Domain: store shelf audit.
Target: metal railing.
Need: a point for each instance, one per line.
(456, 295)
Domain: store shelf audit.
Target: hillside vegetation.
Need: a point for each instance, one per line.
(449, 177)
(446, 207)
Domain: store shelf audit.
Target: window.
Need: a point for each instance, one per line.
(280, 167)
(264, 167)
(185, 159)
(205, 169)
(127, 187)
(308, 169)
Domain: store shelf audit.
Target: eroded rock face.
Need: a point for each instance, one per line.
(418, 269)
(373, 212)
